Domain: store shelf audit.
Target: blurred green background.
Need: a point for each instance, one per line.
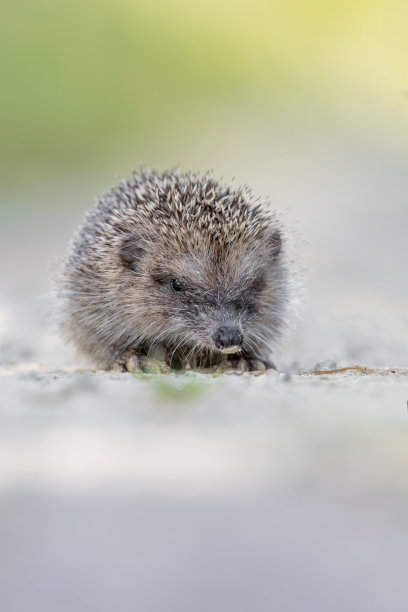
(96, 87)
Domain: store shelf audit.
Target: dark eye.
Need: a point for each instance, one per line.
(176, 285)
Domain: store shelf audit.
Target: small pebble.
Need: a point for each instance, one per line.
(285, 376)
(323, 366)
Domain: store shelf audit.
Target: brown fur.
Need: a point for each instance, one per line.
(164, 262)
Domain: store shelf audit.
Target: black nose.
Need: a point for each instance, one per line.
(227, 336)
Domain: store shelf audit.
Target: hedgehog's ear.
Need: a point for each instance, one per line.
(131, 251)
(275, 243)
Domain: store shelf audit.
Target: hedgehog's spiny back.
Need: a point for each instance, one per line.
(187, 206)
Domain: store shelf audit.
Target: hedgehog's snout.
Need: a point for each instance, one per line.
(228, 339)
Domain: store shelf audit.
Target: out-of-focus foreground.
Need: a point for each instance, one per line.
(191, 493)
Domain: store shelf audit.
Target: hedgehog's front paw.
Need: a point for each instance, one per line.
(130, 362)
(249, 363)
(139, 362)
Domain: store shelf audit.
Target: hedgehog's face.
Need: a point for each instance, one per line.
(215, 315)
(209, 299)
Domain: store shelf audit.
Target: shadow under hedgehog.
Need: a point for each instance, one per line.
(178, 267)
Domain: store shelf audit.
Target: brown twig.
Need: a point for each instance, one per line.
(357, 368)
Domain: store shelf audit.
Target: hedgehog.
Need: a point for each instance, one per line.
(178, 269)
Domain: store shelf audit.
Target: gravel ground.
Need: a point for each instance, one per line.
(282, 491)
